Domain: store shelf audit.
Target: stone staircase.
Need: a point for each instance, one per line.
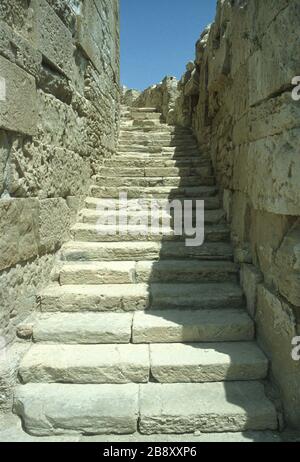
(141, 333)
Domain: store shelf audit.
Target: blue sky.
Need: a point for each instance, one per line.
(158, 37)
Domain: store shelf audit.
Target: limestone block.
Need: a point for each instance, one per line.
(54, 223)
(19, 239)
(18, 50)
(267, 186)
(276, 326)
(47, 171)
(86, 364)
(250, 278)
(288, 266)
(220, 66)
(59, 125)
(18, 287)
(18, 108)
(207, 407)
(10, 357)
(52, 38)
(17, 14)
(272, 67)
(83, 328)
(87, 409)
(91, 33)
(207, 362)
(268, 119)
(97, 298)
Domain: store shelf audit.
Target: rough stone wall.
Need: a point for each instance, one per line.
(237, 96)
(59, 116)
(162, 96)
(128, 96)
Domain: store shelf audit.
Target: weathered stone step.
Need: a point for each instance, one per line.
(162, 192)
(198, 296)
(185, 271)
(162, 139)
(168, 363)
(112, 233)
(207, 407)
(114, 272)
(135, 115)
(212, 217)
(152, 182)
(157, 163)
(163, 144)
(86, 364)
(83, 328)
(173, 151)
(55, 409)
(157, 128)
(182, 325)
(211, 203)
(152, 173)
(91, 298)
(136, 297)
(211, 362)
(112, 251)
(120, 272)
(142, 109)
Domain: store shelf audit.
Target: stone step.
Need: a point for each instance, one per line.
(150, 173)
(178, 325)
(112, 233)
(157, 128)
(120, 272)
(185, 271)
(197, 296)
(153, 182)
(212, 217)
(207, 407)
(163, 139)
(137, 297)
(150, 123)
(120, 364)
(175, 150)
(112, 251)
(143, 109)
(164, 145)
(145, 116)
(94, 298)
(55, 409)
(157, 163)
(113, 272)
(83, 328)
(115, 364)
(162, 192)
(211, 362)
(93, 203)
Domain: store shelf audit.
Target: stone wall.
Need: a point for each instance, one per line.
(162, 97)
(237, 96)
(59, 117)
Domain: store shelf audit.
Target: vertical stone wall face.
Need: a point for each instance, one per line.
(244, 114)
(59, 117)
(237, 96)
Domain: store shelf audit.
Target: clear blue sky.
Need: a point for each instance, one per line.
(158, 38)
